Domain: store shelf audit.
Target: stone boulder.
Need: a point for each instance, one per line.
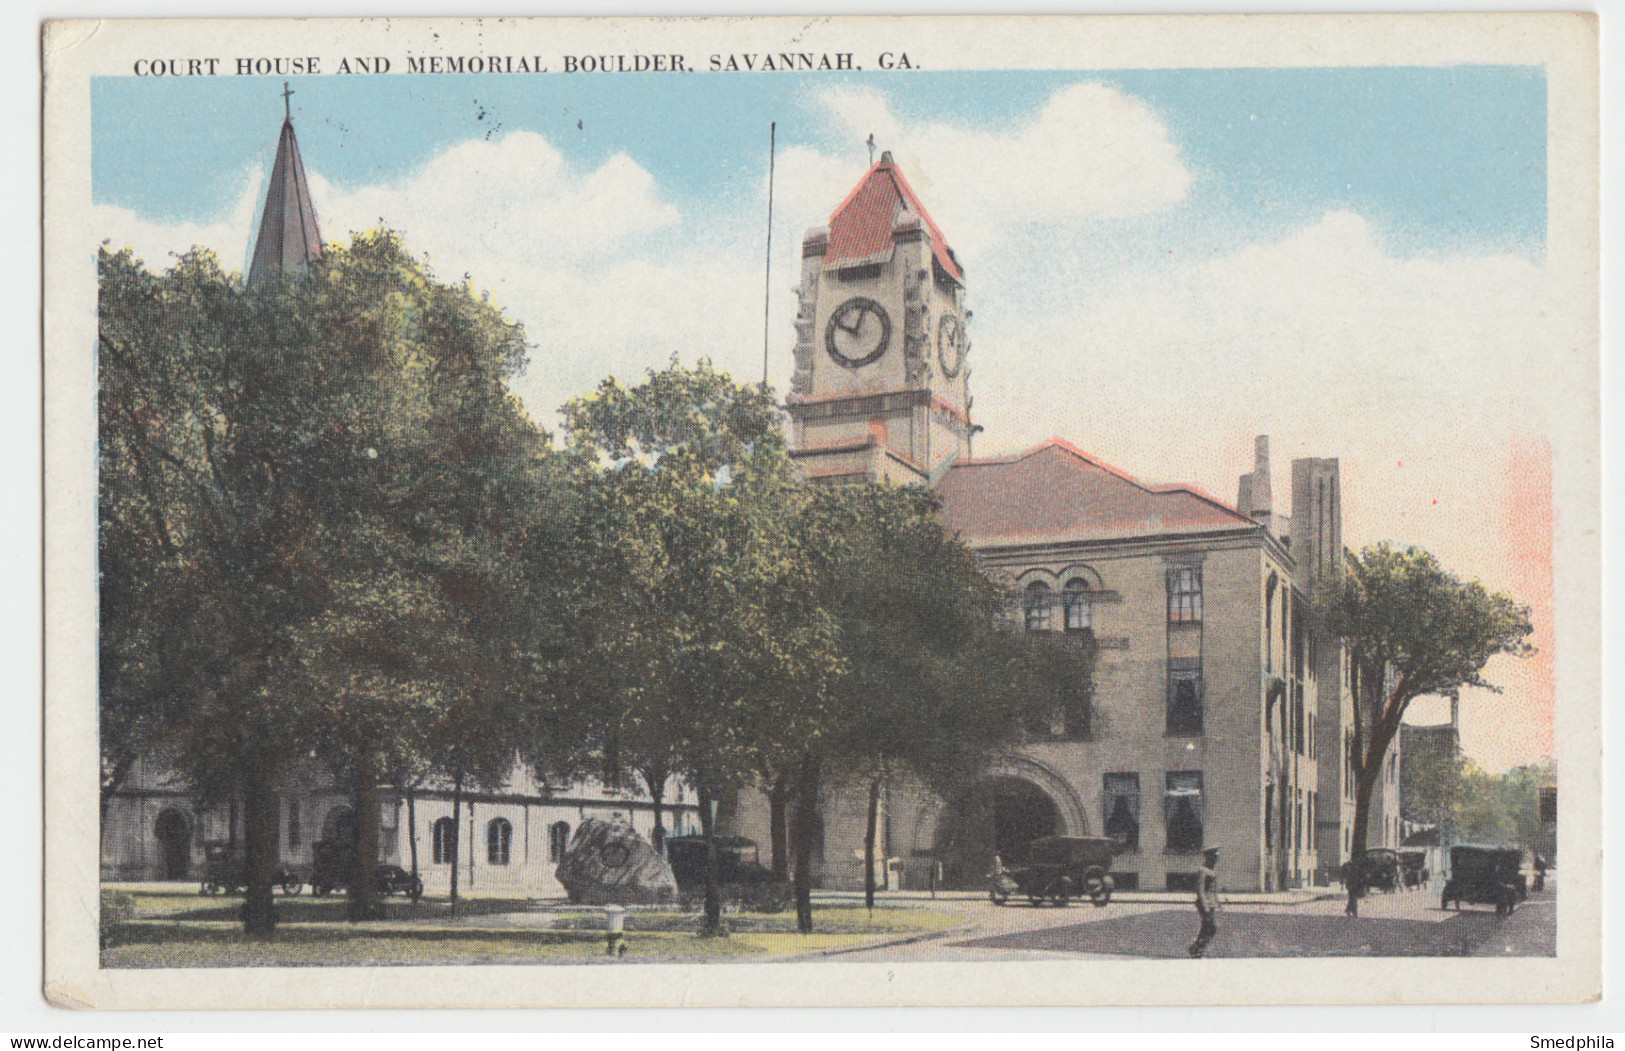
(609, 863)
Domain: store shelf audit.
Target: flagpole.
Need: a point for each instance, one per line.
(767, 276)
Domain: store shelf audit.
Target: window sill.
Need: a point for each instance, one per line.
(1182, 852)
(1184, 733)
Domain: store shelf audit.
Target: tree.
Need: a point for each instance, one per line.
(930, 687)
(1430, 782)
(686, 627)
(336, 478)
(1410, 629)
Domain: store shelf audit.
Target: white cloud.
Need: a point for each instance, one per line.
(1092, 152)
(156, 242)
(513, 201)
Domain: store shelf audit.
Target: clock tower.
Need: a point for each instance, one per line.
(880, 389)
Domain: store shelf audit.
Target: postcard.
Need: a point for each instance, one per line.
(824, 511)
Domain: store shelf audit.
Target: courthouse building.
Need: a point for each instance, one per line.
(1219, 715)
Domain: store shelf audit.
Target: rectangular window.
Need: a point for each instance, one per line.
(867, 272)
(1184, 695)
(1182, 881)
(1269, 817)
(293, 823)
(1126, 880)
(1121, 795)
(1185, 594)
(1182, 811)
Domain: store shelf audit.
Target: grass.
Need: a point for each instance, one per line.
(171, 928)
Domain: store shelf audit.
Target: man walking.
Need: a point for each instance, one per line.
(1207, 901)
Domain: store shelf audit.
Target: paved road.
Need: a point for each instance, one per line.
(1402, 924)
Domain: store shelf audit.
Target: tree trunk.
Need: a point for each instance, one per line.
(869, 845)
(412, 830)
(806, 809)
(456, 833)
(713, 888)
(263, 808)
(778, 805)
(656, 780)
(1363, 784)
(728, 812)
(363, 898)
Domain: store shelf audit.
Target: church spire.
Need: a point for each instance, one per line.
(289, 238)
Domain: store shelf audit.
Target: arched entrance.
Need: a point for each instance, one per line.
(1000, 816)
(174, 835)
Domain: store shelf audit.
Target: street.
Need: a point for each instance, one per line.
(1400, 924)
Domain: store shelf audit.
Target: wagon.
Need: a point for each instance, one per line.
(1483, 876)
(225, 871)
(1058, 868)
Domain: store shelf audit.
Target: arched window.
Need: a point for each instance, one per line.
(1039, 606)
(445, 840)
(1077, 606)
(498, 841)
(558, 840)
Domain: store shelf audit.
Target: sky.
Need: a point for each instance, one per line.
(1161, 263)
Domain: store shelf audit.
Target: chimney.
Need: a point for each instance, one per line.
(1253, 490)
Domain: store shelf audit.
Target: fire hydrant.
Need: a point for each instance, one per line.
(615, 930)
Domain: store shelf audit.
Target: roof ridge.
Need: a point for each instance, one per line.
(1155, 489)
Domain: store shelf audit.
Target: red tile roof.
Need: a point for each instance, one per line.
(1055, 493)
(860, 230)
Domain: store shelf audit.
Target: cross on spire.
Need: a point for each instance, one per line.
(287, 107)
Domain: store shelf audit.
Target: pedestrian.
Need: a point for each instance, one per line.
(1207, 901)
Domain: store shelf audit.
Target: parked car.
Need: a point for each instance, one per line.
(743, 878)
(1414, 870)
(1059, 867)
(1483, 876)
(225, 871)
(1376, 869)
(332, 869)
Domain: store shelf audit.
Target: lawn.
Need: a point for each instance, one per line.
(175, 929)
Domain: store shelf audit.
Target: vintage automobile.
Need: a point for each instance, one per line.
(1483, 876)
(1058, 868)
(743, 879)
(1376, 869)
(1512, 865)
(331, 871)
(225, 871)
(1413, 868)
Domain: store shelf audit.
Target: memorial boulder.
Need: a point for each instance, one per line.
(609, 863)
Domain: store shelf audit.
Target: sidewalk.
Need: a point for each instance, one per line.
(1127, 897)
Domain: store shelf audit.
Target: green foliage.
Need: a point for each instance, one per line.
(1502, 808)
(929, 685)
(1431, 782)
(312, 499)
(1411, 629)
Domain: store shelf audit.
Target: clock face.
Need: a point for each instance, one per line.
(858, 333)
(950, 345)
